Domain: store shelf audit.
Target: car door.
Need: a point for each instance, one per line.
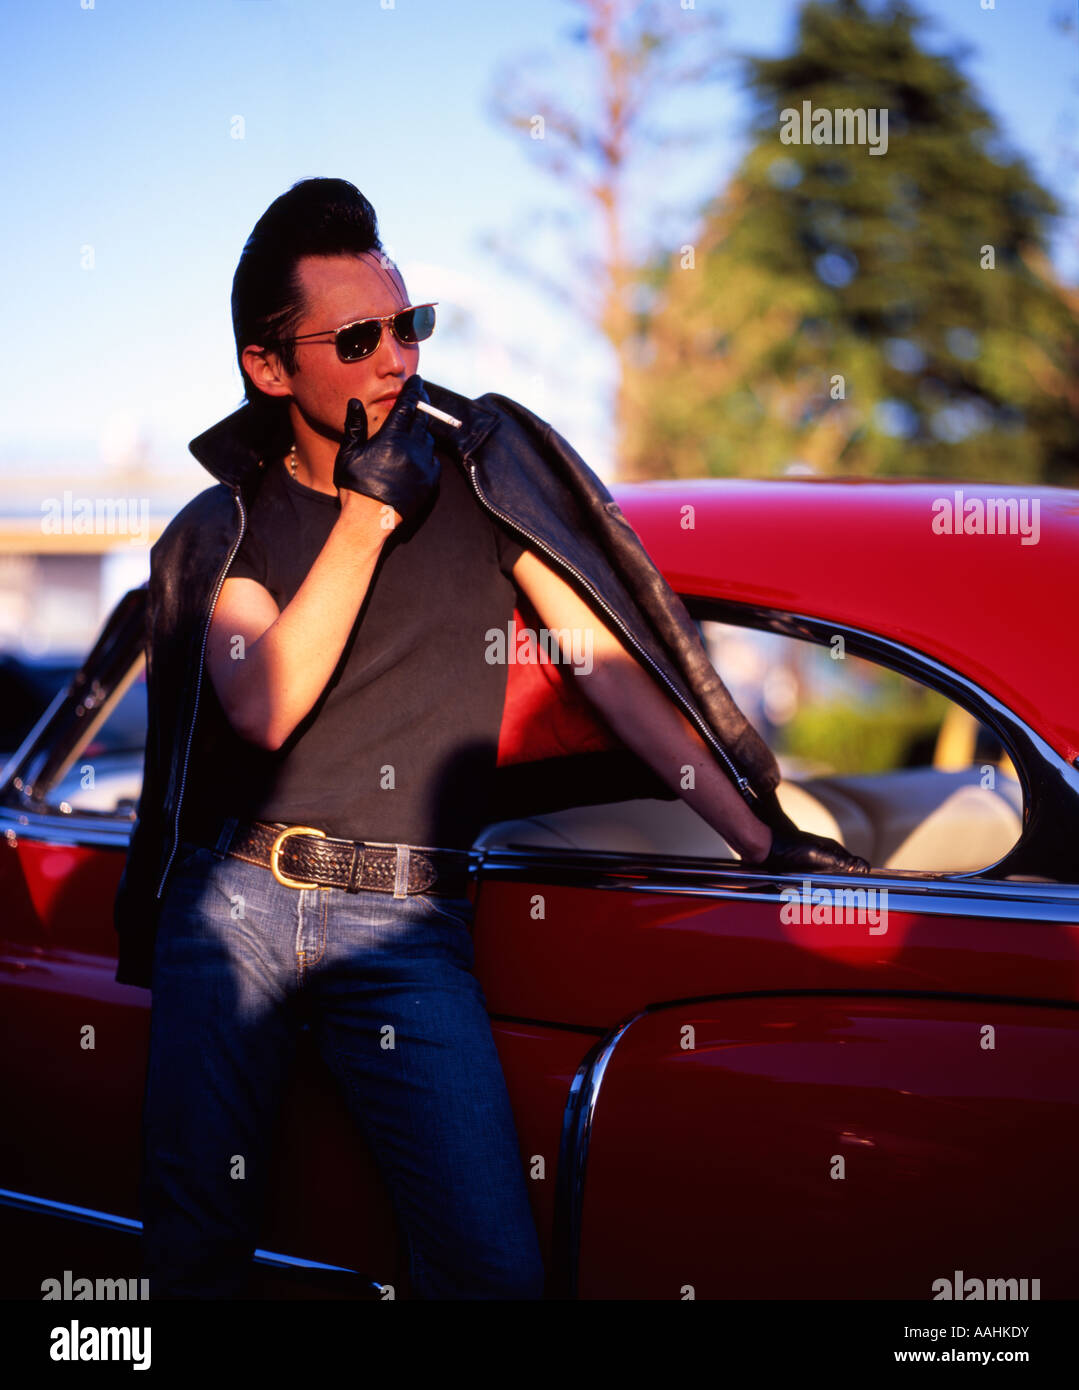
(790, 1092)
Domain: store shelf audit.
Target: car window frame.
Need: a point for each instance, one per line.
(1039, 767)
(115, 661)
(1050, 785)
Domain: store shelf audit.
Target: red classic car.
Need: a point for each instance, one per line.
(727, 1085)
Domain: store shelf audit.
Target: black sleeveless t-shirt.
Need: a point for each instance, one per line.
(401, 744)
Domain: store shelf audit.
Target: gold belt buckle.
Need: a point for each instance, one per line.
(275, 850)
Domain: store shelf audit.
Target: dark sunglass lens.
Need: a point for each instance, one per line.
(358, 341)
(415, 325)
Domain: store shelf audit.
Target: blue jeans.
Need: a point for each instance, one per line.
(238, 957)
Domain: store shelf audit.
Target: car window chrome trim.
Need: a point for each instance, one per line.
(126, 1225)
(948, 896)
(23, 772)
(17, 758)
(100, 714)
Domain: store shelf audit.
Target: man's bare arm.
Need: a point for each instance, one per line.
(289, 654)
(641, 715)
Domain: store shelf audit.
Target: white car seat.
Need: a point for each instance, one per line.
(919, 819)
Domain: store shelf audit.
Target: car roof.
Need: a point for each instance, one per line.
(863, 552)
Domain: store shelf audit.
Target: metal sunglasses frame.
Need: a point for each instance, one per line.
(334, 334)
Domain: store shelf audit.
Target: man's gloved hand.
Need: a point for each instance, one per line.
(399, 465)
(801, 852)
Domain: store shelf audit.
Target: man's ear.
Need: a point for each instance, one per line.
(265, 369)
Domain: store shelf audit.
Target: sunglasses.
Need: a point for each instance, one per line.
(360, 338)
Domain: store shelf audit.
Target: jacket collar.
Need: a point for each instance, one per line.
(231, 449)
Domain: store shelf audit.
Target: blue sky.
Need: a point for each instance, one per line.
(117, 124)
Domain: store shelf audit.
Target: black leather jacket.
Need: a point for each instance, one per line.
(521, 471)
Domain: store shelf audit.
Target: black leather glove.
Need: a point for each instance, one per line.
(802, 852)
(766, 807)
(399, 465)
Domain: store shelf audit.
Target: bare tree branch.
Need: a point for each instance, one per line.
(639, 53)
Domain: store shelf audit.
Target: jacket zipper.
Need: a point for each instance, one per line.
(701, 725)
(198, 692)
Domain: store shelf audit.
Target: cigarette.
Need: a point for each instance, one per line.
(438, 414)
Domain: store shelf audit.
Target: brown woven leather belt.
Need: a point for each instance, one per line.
(301, 857)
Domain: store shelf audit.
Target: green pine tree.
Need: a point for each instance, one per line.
(849, 312)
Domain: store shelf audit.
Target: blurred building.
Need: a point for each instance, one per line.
(73, 541)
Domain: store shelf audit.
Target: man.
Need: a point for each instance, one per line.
(339, 762)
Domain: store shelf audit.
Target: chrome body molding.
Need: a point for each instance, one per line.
(938, 896)
(126, 1225)
(573, 1159)
(92, 831)
(579, 1114)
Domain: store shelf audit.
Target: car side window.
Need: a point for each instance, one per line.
(896, 771)
(104, 770)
